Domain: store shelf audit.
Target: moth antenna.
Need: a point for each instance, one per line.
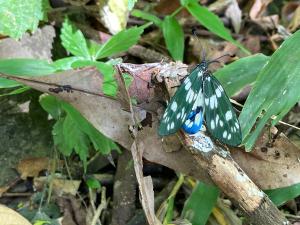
(217, 59)
(203, 51)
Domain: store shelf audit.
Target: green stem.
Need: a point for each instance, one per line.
(177, 11)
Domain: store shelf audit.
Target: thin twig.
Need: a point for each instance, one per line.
(101, 207)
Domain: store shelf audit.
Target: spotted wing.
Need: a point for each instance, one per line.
(182, 103)
(220, 117)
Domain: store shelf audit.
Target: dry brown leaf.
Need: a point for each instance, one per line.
(31, 167)
(273, 165)
(234, 13)
(257, 14)
(295, 23)
(11, 217)
(38, 45)
(60, 186)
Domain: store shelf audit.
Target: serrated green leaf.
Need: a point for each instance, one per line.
(93, 183)
(120, 42)
(147, 16)
(174, 37)
(19, 16)
(275, 92)
(210, 21)
(280, 196)
(51, 105)
(199, 205)
(17, 91)
(26, 67)
(240, 73)
(74, 41)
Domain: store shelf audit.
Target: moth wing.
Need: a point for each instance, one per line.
(220, 116)
(182, 103)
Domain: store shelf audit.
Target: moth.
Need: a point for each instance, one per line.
(201, 96)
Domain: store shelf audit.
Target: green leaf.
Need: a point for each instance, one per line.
(17, 91)
(93, 183)
(174, 37)
(59, 139)
(74, 41)
(147, 16)
(66, 63)
(240, 73)
(210, 21)
(51, 105)
(5, 83)
(100, 142)
(280, 196)
(275, 92)
(120, 42)
(26, 67)
(109, 85)
(199, 205)
(128, 79)
(19, 16)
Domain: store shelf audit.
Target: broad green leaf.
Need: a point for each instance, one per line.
(147, 16)
(240, 73)
(5, 83)
(19, 16)
(109, 85)
(210, 21)
(120, 42)
(282, 195)
(275, 92)
(17, 91)
(199, 205)
(93, 183)
(58, 137)
(26, 67)
(100, 142)
(74, 41)
(174, 37)
(51, 105)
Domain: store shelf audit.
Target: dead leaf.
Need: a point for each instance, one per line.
(114, 14)
(59, 186)
(31, 167)
(258, 15)
(11, 217)
(234, 13)
(73, 211)
(273, 165)
(38, 45)
(295, 23)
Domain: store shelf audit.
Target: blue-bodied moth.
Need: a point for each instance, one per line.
(202, 95)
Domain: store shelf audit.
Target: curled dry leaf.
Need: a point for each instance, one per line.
(234, 13)
(11, 217)
(257, 14)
